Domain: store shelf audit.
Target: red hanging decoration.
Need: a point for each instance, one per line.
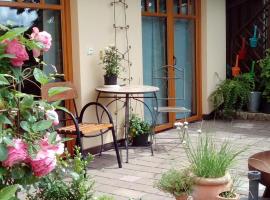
(236, 69)
(243, 51)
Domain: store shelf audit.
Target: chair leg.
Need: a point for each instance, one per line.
(116, 148)
(101, 147)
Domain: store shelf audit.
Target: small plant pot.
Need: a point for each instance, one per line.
(181, 197)
(210, 188)
(237, 197)
(110, 80)
(254, 101)
(140, 140)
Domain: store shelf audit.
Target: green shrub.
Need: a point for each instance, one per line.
(210, 160)
(175, 182)
(232, 94)
(265, 75)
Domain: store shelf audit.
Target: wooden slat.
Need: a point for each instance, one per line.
(85, 128)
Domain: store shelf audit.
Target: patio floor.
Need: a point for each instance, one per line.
(135, 180)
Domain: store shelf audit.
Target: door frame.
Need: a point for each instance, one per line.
(170, 16)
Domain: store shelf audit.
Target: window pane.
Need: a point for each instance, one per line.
(162, 6)
(143, 5)
(9, 0)
(191, 9)
(184, 7)
(47, 20)
(184, 49)
(152, 6)
(176, 6)
(52, 1)
(154, 57)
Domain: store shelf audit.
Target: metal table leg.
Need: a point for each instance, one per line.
(126, 125)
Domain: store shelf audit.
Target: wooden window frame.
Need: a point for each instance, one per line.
(170, 16)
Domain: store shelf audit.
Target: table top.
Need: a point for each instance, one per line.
(128, 89)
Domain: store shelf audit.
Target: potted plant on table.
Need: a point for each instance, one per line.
(110, 58)
(265, 81)
(139, 130)
(176, 182)
(209, 166)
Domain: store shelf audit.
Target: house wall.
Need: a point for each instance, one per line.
(92, 27)
(213, 48)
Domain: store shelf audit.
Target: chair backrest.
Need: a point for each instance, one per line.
(162, 78)
(69, 94)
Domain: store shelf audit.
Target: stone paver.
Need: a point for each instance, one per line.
(136, 179)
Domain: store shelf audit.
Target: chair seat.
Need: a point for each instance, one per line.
(173, 109)
(87, 129)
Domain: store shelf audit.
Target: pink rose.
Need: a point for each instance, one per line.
(16, 153)
(52, 115)
(44, 38)
(57, 148)
(15, 48)
(44, 163)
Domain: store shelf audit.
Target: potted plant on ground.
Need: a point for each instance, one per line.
(230, 194)
(209, 166)
(265, 81)
(139, 131)
(231, 95)
(177, 183)
(110, 58)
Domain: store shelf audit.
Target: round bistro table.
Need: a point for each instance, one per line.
(130, 92)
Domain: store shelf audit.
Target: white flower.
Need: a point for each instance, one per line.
(185, 123)
(199, 131)
(178, 124)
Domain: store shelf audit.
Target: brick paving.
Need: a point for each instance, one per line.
(136, 178)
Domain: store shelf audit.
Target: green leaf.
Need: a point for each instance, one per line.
(57, 90)
(7, 141)
(52, 137)
(25, 126)
(3, 80)
(13, 33)
(41, 125)
(4, 120)
(7, 56)
(27, 101)
(3, 152)
(62, 108)
(8, 192)
(41, 77)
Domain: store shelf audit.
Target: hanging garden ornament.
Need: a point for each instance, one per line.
(254, 40)
(236, 69)
(243, 51)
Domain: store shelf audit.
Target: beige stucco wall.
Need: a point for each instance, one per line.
(92, 27)
(213, 47)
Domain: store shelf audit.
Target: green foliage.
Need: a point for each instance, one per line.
(210, 160)
(265, 75)
(111, 59)
(54, 187)
(175, 182)
(105, 198)
(8, 192)
(138, 126)
(232, 95)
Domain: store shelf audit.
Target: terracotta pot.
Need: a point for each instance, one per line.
(181, 197)
(237, 197)
(210, 188)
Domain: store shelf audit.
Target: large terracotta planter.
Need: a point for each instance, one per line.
(237, 197)
(210, 188)
(182, 197)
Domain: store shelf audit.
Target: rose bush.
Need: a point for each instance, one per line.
(29, 145)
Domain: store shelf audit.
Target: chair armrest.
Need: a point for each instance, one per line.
(96, 104)
(72, 118)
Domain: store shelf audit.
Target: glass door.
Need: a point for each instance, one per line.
(170, 31)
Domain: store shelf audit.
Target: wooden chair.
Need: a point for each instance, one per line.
(79, 128)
